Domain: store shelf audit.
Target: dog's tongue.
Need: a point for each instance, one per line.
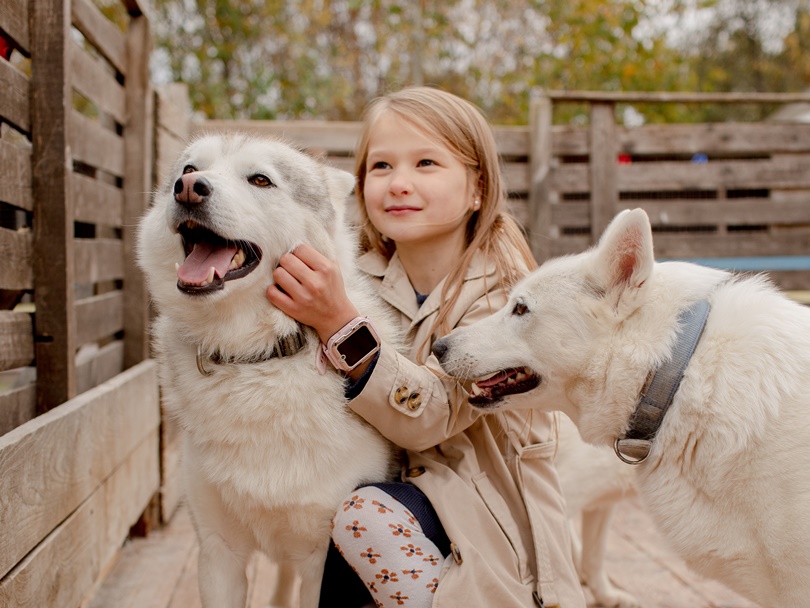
(194, 270)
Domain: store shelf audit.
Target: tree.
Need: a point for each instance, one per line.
(328, 58)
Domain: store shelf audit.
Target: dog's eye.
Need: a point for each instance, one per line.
(189, 169)
(261, 181)
(520, 309)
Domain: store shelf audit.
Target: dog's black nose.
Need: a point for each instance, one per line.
(439, 348)
(192, 189)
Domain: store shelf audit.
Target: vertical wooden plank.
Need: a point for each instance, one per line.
(53, 206)
(604, 164)
(138, 143)
(539, 227)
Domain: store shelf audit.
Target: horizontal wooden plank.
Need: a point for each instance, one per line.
(14, 21)
(95, 366)
(53, 463)
(96, 202)
(740, 212)
(15, 175)
(63, 569)
(98, 260)
(100, 32)
(697, 245)
(674, 97)
(93, 144)
(567, 140)
(715, 138)
(96, 81)
(98, 317)
(16, 249)
(14, 106)
(18, 405)
(793, 280)
(784, 171)
(332, 136)
(16, 339)
(511, 140)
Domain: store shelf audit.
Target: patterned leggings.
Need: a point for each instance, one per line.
(387, 546)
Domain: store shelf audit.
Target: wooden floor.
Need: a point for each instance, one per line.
(160, 571)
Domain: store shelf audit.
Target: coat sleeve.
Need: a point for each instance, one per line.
(419, 406)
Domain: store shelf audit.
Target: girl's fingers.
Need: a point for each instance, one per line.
(311, 257)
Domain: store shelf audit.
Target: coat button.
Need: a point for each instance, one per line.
(414, 401)
(401, 395)
(456, 553)
(415, 471)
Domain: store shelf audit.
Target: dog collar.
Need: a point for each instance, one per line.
(286, 346)
(658, 391)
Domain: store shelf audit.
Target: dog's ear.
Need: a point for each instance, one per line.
(624, 256)
(340, 184)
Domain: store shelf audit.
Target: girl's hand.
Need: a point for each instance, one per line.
(309, 288)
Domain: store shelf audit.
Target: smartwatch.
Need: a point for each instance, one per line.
(353, 344)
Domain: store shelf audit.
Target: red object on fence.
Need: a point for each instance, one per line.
(6, 47)
(625, 159)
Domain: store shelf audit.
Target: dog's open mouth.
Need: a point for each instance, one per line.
(491, 388)
(211, 259)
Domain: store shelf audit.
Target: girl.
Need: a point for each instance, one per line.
(479, 519)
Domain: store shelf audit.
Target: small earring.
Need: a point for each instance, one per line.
(476, 204)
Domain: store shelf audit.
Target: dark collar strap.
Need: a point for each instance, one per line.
(286, 346)
(661, 387)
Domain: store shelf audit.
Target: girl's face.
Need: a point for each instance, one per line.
(417, 193)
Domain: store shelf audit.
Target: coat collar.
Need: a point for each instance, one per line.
(396, 288)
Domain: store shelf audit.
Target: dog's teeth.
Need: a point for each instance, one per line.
(476, 390)
(177, 266)
(237, 260)
(210, 277)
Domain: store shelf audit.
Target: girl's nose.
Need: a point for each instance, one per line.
(400, 184)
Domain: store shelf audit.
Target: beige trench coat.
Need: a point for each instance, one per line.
(490, 477)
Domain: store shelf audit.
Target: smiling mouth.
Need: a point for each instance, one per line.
(488, 390)
(212, 259)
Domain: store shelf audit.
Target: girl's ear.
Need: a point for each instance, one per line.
(624, 259)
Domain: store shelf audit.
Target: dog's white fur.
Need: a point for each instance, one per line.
(270, 448)
(728, 479)
(594, 483)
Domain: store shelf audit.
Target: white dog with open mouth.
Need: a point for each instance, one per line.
(724, 436)
(270, 446)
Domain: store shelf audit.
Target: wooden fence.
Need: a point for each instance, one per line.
(84, 451)
(80, 424)
(720, 193)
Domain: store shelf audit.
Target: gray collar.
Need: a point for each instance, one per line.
(285, 346)
(657, 394)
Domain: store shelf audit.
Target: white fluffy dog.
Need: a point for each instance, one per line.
(727, 475)
(270, 447)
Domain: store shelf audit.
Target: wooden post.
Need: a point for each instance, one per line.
(138, 143)
(51, 162)
(540, 228)
(604, 164)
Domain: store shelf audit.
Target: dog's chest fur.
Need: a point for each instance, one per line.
(254, 437)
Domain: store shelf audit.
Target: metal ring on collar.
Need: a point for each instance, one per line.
(635, 445)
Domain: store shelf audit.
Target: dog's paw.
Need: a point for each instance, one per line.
(615, 598)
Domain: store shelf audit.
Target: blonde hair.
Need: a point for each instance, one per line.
(462, 128)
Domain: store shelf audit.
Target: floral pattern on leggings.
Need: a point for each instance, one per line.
(384, 543)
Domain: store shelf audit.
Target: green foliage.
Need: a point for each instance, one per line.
(325, 59)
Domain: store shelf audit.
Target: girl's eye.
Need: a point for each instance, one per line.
(260, 181)
(520, 309)
(189, 169)
(380, 165)
(426, 162)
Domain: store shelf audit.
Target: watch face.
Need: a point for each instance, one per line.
(357, 345)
